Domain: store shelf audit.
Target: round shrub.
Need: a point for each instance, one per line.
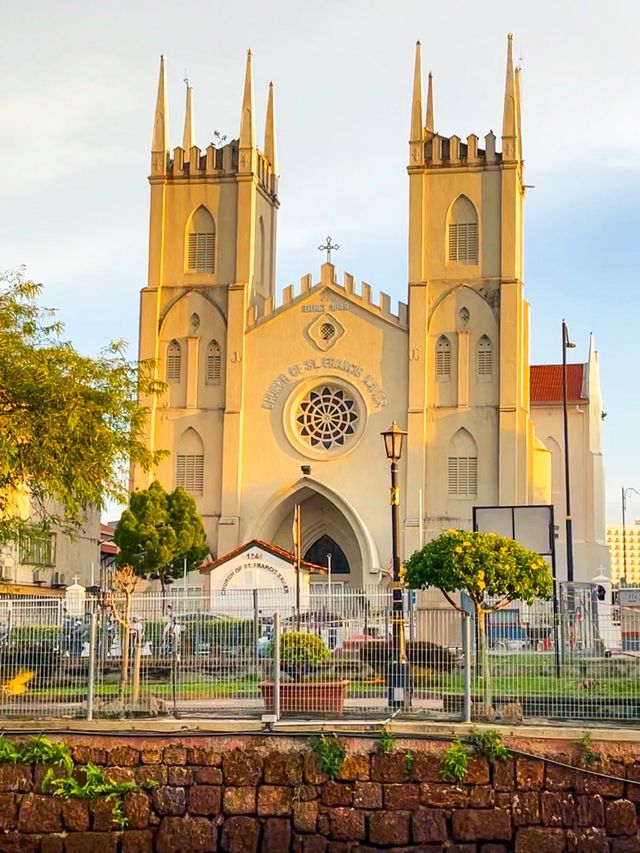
(301, 653)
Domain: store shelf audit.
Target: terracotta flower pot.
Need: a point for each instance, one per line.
(324, 697)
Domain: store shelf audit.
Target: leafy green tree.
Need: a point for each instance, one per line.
(158, 532)
(187, 524)
(491, 569)
(70, 425)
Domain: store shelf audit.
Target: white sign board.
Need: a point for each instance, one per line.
(233, 583)
(629, 597)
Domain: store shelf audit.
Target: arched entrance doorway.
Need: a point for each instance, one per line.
(324, 513)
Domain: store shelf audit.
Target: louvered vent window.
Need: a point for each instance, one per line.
(463, 242)
(202, 252)
(190, 473)
(463, 476)
(214, 363)
(485, 359)
(174, 362)
(443, 359)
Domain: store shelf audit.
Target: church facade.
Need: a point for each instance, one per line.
(277, 399)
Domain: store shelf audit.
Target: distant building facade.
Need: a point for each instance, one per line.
(44, 562)
(624, 551)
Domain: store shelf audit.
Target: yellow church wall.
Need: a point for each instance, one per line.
(282, 362)
(192, 402)
(183, 199)
(443, 188)
(444, 510)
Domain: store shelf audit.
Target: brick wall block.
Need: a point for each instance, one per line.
(621, 819)
(242, 768)
(184, 835)
(240, 835)
(40, 814)
(170, 801)
(346, 824)
(274, 800)
(276, 835)
(481, 825)
(429, 826)
(389, 828)
(239, 801)
(205, 800)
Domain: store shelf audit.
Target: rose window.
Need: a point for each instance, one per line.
(327, 417)
(327, 331)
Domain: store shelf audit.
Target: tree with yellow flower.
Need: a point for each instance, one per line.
(491, 569)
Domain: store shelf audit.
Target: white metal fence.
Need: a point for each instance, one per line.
(190, 656)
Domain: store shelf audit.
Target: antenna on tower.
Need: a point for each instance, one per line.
(186, 78)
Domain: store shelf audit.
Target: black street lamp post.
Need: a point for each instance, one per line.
(566, 344)
(399, 693)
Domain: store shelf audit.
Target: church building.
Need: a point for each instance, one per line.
(278, 399)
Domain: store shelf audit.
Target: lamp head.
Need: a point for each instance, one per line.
(393, 440)
(565, 336)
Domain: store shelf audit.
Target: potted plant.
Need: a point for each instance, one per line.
(303, 687)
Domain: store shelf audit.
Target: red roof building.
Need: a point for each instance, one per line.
(546, 384)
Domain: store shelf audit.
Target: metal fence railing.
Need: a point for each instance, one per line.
(195, 656)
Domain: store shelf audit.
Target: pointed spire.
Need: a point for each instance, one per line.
(270, 138)
(247, 130)
(416, 104)
(518, 112)
(430, 125)
(160, 139)
(189, 133)
(509, 124)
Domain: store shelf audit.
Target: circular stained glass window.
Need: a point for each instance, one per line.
(327, 417)
(327, 331)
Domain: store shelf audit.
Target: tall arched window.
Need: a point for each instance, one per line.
(201, 242)
(323, 547)
(485, 359)
(214, 363)
(463, 466)
(174, 362)
(462, 232)
(190, 462)
(443, 359)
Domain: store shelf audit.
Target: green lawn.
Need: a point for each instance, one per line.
(514, 675)
(541, 685)
(437, 685)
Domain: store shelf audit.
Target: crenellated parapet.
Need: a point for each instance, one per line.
(337, 299)
(452, 151)
(217, 162)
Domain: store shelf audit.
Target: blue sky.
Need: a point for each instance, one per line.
(77, 91)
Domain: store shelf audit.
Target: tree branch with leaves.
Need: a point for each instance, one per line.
(70, 425)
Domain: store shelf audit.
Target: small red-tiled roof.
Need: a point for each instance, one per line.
(546, 383)
(264, 546)
(108, 548)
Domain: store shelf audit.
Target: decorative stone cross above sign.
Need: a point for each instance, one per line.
(328, 247)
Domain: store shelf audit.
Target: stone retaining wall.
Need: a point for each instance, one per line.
(245, 794)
